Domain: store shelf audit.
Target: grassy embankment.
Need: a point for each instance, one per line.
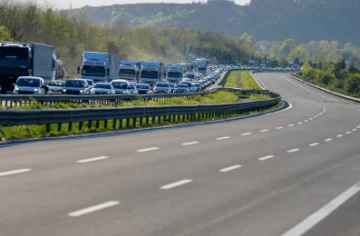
(39, 131)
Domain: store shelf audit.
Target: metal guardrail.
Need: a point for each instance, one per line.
(135, 114)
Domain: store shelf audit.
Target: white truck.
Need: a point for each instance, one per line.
(99, 66)
(175, 73)
(129, 71)
(25, 59)
(202, 65)
(152, 72)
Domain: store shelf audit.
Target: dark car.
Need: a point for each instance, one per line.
(143, 88)
(76, 86)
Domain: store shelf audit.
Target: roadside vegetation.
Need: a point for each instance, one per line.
(336, 77)
(241, 79)
(24, 132)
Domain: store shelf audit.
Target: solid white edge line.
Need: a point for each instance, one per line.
(176, 184)
(93, 208)
(265, 158)
(92, 159)
(245, 134)
(312, 220)
(293, 150)
(148, 149)
(328, 140)
(14, 172)
(227, 169)
(223, 138)
(289, 107)
(190, 143)
(313, 144)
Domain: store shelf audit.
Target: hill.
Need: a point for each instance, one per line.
(302, 20)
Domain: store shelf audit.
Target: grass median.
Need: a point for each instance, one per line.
(241, 79)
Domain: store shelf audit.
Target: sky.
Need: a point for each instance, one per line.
(79, 3)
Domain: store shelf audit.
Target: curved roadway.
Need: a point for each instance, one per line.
(270, 175)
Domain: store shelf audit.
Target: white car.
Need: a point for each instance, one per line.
(29, 85)
(102, 88)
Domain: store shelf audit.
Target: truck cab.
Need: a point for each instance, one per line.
(152, 72)
(128, 71)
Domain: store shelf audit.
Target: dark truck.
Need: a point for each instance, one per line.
(23, 59)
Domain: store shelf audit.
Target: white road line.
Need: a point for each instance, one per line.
(148, 149)
(293, 150)
(93, 208)
(315, 116)
(223, 138)
(244, 134)
(14, 172)
(328, 140)
(299, 123)
(176, 184)
(339, 136)
(289, 107)
(279, 127)
(349, 132)
(264, 130)
(311, 118)
(92, 159)
(266, 157)
(190, 143)
(291, 125)
(313, 144)
(230, 168)
(308, 223)
(354, 129)
(358, 127)
(305, 121)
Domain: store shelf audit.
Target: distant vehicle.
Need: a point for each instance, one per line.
(76, 87)
(198, 86)
(56, 87)
(99, 66)
(175, 73)
(129, 71)
(90, 82)
(190, 75)
(162, 87)
(23, 59)
(121, 86)
(172, 87)
(202, 65)
(182, 88)
(143, 88)
(102, 88)
(152, 72)
(133, 89)
(29, 85)
(60, 71)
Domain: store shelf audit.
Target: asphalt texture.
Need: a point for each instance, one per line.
(262, 176)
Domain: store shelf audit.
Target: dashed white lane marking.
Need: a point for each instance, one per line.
(305, 121)
(93, 208)
(279, 127)
(311, 118)
(264, 130)
(308, 223)
(266, 157)
(315, 116)
(354, 129)
(291, 125)
(328, 140)
(299, 123)
(190, 143)
(223, 138)
(349, 132)
(92, 159)
(293, 150)
(148, 149)
(176, 184)
(339, 135)
(230, 168)
(14, 172)
(245, 134)
(313, 144)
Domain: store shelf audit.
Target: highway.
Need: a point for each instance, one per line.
(290, 173)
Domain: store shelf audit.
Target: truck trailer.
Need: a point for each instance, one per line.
(25, 59)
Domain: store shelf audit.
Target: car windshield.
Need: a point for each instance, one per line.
(120, 85)
(57, 83)
(28, 82)
(90, 82)
(162, 85)
(132, 86)
(190, 75)
(142, 86)
(127, 72)
(75, 83)
(103, 86)
(174, 74)
(93, 70)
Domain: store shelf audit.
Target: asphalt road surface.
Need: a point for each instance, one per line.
(289, 173)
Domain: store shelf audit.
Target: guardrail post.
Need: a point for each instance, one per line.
(97, 124)
(120, 123)
(59, 127)
(80, 125)
(47, 128)
(106, 124)
(134, 122)
(89, 124)
(114, 124)
(127, 122)
(147, 121)
(141, 121)
(70, 126)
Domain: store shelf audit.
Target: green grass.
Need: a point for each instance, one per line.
(39, 131)
(208, 99)
(241, 79)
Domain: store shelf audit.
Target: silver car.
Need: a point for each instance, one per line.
(102, 88)
(56, 87)
(121, 86)
(162, 87)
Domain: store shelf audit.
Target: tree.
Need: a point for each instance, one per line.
(5, 34)
(353, 84)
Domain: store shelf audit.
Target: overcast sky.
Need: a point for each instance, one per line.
(80, 3)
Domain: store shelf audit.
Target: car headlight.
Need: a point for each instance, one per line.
(64, 90)
(92, 91)
(109, 92)
(81, 91)
(16, 88)
(148, 91)
(35, 89)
